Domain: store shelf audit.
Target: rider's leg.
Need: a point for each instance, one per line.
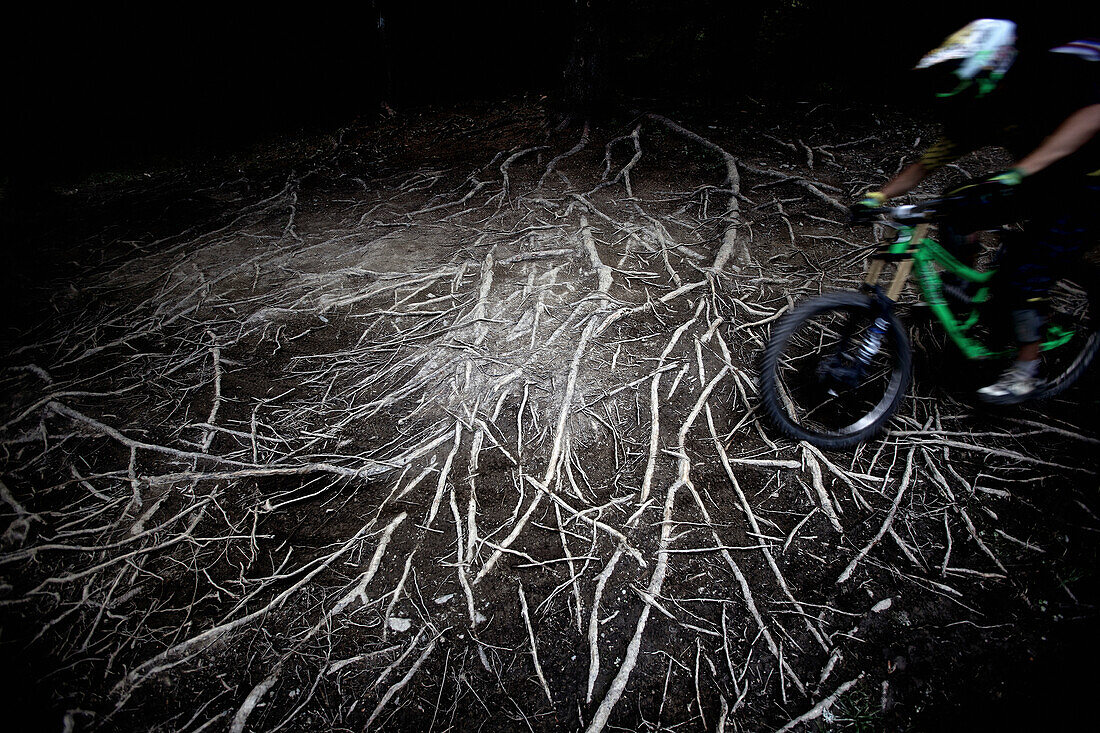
(1021, 379)
(1031, 268)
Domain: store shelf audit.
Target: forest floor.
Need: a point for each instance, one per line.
(448, 421)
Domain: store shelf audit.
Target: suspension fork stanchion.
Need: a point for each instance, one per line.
(900, 278)
(902, 252)
(873, 272)
(906, 266)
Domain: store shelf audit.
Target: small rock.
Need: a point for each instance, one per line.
(400, 624)
(443, 599)
(882, 605)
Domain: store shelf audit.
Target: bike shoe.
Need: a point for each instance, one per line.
(1015, 385)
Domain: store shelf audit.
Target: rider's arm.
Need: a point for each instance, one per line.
(941, 153)
(905, 181)
(1068, 138)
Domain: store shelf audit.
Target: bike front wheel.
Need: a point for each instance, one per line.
(835, 370)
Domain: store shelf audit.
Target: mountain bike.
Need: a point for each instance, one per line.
(837, 367)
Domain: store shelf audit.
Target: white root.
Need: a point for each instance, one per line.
(534, 645)
(460, 564)
(844, 576)
(250, 702)
(444, 474)
(822, 493)
(732, 216)
(756, 528)
(653, 590)
(573, 574)
(654, 406)
(175, 654)
(819, 709)
(594, 623)
(400, 684)
(602, 270)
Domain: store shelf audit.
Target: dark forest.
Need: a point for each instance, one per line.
(93, 87)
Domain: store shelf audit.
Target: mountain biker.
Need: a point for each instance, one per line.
(1045, 110)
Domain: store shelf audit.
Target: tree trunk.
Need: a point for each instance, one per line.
(585, 77)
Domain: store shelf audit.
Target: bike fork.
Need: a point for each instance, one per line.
(855, 351)
(901, 251)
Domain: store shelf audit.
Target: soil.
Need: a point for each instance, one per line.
(355, 430)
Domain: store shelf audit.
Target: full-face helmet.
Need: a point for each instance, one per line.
(973, 59)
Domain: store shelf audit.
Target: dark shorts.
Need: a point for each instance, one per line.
(1060, 229)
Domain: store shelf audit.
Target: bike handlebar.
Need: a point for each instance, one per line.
(902, 214)
(911, 213)
(949, 206)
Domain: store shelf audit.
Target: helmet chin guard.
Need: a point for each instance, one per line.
(978, 54)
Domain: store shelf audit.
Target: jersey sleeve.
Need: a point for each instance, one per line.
(942, 152)
(1077, 72)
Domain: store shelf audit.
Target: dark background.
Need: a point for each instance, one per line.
(90, 89)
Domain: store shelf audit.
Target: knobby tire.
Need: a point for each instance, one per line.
(866, 425)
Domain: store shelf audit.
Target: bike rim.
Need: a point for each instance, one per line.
(824, 388)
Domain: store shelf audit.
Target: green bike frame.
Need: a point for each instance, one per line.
(912, 250)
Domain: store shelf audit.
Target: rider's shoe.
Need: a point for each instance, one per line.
(1016, 385)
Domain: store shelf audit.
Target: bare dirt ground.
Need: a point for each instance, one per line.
(448, 422)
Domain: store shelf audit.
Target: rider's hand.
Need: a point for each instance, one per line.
(864, 211)
(996, 187)
(1006, 179)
